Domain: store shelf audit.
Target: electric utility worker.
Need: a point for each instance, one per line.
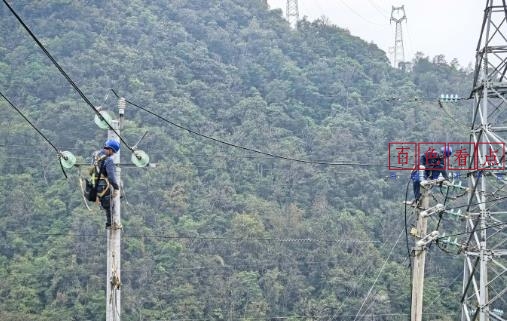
(433, 164)
(104, 171)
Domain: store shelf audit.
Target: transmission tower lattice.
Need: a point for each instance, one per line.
(484, 292)
(292, 12)
(398, 15)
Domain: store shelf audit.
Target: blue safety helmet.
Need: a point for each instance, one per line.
(113, 144)
(446, 151)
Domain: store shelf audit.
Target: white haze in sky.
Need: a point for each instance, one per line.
(433, 27)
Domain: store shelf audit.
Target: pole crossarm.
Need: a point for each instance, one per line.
(427, 239)
(437, 209)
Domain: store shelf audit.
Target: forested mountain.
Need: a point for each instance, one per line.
(215, 232)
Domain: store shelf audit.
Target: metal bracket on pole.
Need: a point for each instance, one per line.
(427, 239)
(437, 209)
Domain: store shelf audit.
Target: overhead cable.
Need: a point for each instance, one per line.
(71, 82)
(379, 10)
(362, 17)
(59, 153)
(212, 238)
(379, 273)
(305, 161)
(363, 275)
(29, 122)
(499, 225)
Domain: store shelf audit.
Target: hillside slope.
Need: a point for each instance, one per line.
(214, 232)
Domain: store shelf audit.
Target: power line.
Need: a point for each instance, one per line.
(225, 268)
(485, 202)
(360, 16)
(383, 98)
(379, 273)
(451, 117)
(194, 155)
(315, 162)
(218, 156)
(387, 98)
(310, 317)
(208, 238)
(378, 9)
(475, 230)
(29, 122)
(59, 153)
(67, 77)
(384, 245)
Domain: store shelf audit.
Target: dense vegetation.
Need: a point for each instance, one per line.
(215, 232)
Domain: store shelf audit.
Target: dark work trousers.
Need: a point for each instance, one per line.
(105, 202)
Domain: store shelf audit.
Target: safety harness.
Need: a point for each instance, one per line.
(97, 173)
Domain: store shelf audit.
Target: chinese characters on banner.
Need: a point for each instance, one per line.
(407, 156)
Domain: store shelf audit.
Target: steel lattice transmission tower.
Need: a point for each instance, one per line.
(292, 12)
(398, 15)
(484, 294)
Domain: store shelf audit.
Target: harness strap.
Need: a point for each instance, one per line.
(99, 170)
(106, 188)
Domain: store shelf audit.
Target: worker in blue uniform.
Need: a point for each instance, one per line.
(433, 164)
(104, 172)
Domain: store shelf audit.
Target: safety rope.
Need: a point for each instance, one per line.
(80, 179)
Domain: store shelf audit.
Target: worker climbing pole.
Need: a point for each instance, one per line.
(432, 178)
(420, 233)
(112, 206)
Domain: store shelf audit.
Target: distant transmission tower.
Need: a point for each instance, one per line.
(390, 52)
(484, 293)
(398, 15)
(292, 13)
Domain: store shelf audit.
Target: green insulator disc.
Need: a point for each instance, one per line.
(140, 158)
(67, 159)
(105, 121)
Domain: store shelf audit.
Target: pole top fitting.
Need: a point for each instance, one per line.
(121, 106)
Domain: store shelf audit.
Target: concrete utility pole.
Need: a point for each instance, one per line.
(398, 15)
(113, 281)
(292, 13)
(419, 251)
(139, 159)
(485, 249)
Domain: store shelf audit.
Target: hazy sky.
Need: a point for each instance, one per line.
(448, 27)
